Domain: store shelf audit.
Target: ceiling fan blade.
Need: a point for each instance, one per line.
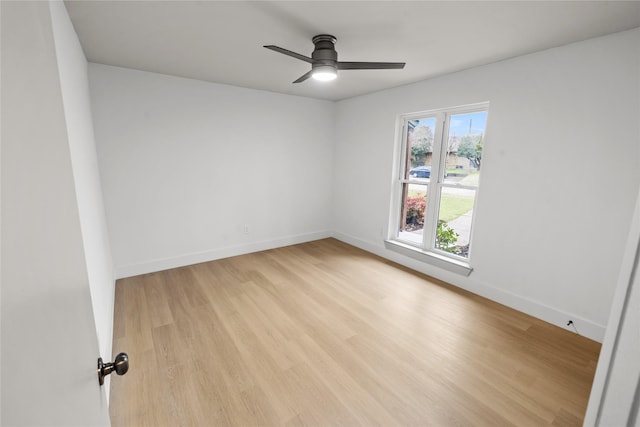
(370, 65)
(290, 53)
(304, 77)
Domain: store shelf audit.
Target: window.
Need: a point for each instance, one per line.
(437, 182)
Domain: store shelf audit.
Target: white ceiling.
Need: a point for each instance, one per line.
(221, 41)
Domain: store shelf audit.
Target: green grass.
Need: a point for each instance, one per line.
(458, 172)
(471, 179)
(451, 206)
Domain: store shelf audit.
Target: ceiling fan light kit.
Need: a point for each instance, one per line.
(324, 73)
(324, 60)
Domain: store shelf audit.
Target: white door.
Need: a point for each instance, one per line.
(49, 344)
(615, 395)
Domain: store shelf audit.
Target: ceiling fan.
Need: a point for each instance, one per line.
(324, 60)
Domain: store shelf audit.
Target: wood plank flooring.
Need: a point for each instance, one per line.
(325, 334)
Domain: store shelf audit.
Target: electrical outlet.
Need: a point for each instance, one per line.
(245, 229)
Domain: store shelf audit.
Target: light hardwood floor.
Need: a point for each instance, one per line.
(325, 334)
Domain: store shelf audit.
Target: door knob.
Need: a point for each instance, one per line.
(120, 365)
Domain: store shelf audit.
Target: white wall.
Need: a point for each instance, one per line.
(74, 83)
(561, 168)
(49, 345)
(186, 164)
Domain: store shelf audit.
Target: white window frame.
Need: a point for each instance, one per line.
(426, 251)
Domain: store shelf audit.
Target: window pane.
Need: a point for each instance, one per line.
(420, 134)
(453, 230)
(464, 148)
(414, 204)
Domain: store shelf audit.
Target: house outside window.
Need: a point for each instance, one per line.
(437, 181)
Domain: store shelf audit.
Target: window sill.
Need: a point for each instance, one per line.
(452, 265)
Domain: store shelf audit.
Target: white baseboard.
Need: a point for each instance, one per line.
(205, 256)
(533, 308)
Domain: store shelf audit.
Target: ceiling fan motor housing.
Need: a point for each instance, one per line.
(324, 53)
